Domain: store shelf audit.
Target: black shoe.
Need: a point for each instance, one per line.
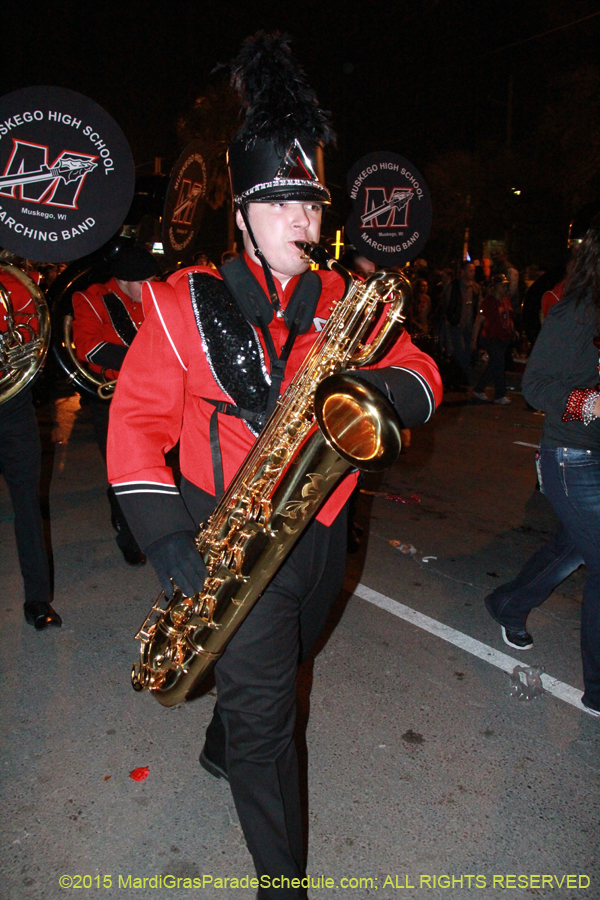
(520, 640)
(212, 767)
(40, 614)
(591, 709)
(132, 555)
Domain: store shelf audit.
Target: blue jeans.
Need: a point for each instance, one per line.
(570, 479)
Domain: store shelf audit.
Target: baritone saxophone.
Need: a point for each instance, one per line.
(327, 422)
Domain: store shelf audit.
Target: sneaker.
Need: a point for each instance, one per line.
(590, 709)
(520, 640)
(503, 401)
(479, 396)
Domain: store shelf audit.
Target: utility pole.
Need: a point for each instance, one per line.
(509, 113)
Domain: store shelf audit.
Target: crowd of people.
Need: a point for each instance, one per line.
(475, 318)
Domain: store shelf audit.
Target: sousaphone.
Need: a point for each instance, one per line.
(24, 344)
(93, 269)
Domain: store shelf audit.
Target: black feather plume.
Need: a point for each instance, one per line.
(280, 104)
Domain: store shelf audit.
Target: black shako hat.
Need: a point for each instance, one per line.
(134, 264)
(273, 155)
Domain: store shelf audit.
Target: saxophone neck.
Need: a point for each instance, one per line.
(318, 254)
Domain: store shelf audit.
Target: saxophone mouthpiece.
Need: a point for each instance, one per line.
(314, 252)
(305, 247)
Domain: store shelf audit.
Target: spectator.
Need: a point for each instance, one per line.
(562, 379)
(502, 266)
(461, 298)
(421, 310)
(495, 322)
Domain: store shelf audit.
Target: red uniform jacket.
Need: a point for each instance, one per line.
(99, 321)
(162, 394)
(24, 315)
(23, 306)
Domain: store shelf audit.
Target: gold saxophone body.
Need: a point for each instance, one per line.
(326, 422)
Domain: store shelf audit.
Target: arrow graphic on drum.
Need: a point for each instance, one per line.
(398, 200)
(67, 169)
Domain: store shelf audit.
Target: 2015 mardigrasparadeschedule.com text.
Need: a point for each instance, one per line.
(422, 882)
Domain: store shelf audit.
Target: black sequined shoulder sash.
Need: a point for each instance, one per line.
(231, 344)
(120, 318)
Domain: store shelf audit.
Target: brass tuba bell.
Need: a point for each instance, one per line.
(24, 345)
(78, 276)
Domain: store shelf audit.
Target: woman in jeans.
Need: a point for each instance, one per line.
(563, 379)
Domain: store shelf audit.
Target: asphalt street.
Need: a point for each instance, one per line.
(425, 778)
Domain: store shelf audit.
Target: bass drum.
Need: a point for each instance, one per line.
(79, 275)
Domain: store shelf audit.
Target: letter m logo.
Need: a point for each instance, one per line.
(382, 211)
(189, 194)
(28, 176)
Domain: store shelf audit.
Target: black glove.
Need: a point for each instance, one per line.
(175, 557)
(110, 356)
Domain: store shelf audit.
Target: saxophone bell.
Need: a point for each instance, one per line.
(358, 422)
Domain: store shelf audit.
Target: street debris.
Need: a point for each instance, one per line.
(413, 500)
(526, 682)
(404, 548)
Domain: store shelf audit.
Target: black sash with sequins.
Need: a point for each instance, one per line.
(120, 318)
(231, 344)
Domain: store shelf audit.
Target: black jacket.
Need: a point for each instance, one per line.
(564, 359)
(455, 303)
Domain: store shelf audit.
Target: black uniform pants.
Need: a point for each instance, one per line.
(253, 725)
(20, 464)
(100, 410)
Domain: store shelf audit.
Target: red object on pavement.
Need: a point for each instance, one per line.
(140, 774)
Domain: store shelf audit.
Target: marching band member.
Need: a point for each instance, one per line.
(20, 464)
(214, 353)
(106, 320)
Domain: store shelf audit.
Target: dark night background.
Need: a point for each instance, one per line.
(437, 81)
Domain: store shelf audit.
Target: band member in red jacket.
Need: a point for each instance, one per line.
(20, 464)
(214, 353)
(106, 320)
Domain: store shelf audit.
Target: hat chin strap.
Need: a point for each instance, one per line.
(273, 296)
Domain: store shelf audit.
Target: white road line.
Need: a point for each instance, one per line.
(525, 444)
(471, 645)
